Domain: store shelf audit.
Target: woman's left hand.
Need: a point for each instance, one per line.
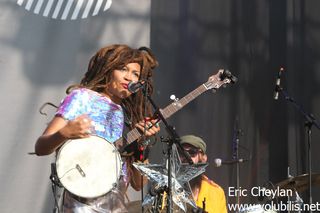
(151, 125)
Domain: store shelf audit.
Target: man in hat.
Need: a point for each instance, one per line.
(208, 195)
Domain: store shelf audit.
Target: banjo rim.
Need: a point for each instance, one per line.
(66, 180)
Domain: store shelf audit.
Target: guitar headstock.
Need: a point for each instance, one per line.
(221, 78)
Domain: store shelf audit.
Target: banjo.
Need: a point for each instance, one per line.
(91, 167)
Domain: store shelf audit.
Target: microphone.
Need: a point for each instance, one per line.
(219, 162)
(277, 88)
(134, 87)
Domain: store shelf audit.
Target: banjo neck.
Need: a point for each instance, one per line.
(214, 82)
(172, 108)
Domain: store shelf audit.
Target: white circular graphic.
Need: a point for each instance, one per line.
(66, 9)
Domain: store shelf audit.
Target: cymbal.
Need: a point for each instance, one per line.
(299, 183)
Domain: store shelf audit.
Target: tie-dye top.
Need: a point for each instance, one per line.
(107, 117)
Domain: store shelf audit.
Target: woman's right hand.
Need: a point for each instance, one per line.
(60, 130)
(80, 127)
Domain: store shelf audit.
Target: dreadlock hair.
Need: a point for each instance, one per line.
(114, 57)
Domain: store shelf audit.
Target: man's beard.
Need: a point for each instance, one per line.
(196, 182)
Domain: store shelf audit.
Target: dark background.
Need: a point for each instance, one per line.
(253, 39)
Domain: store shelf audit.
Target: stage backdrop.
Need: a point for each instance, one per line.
(253, 39)
(40, 56)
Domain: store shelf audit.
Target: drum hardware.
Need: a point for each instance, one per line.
(297, 200)
(309, 122)
(299, 183)
(292, 183)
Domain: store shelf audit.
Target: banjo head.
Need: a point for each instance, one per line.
(88, 167)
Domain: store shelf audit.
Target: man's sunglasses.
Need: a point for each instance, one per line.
(193, 152)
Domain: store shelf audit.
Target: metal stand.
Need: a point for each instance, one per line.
(54, 184)
(173, 139)
(145, 99)
(309, 122)
(308, 126)
(237, 132)
(236, 157)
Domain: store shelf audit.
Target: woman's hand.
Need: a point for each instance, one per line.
(60, 130)
(80, 127)
(151, 125)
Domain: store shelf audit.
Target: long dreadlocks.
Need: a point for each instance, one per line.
(113, 57)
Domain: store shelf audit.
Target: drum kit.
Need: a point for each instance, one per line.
(298, 184)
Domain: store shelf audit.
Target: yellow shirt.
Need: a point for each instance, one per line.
(215, 200)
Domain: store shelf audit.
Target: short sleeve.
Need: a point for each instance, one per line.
(73, 105)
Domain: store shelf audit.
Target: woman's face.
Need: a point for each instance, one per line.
(118, 86)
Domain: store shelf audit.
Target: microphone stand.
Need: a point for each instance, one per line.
(309, 122)
(145, 99)
(235, 156)
(173, 139)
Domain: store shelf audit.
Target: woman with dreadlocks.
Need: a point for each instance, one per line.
(102, 105)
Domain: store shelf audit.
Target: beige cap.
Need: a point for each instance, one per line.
(194, 141)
